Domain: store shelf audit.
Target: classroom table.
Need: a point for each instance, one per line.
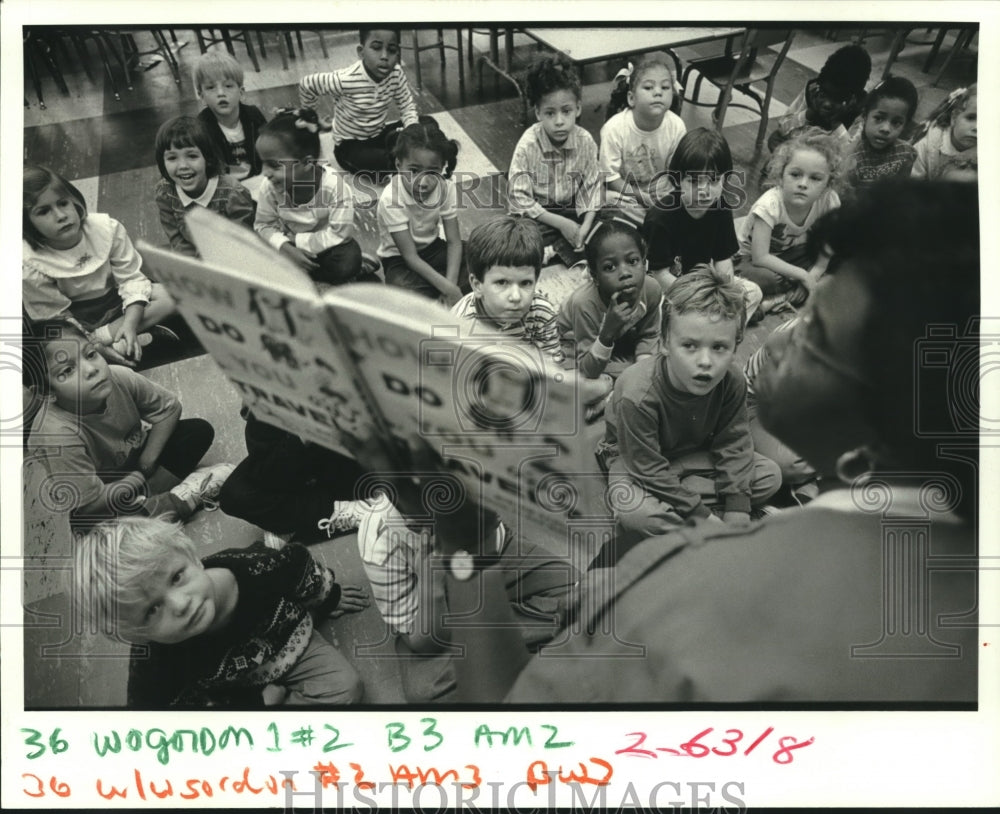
(583, 46)
(586, 45)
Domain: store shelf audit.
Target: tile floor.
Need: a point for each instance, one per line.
(105, 146)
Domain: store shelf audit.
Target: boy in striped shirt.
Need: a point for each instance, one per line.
(361, 95)
(505, 258)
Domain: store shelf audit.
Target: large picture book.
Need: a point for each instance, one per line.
(379, 361)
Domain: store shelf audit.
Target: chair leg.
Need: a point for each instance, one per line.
(961, 41)
(764, 111)
(283, 51)
(228, 40)
(416, 60)
(48, 57)
(721, 107)
(897, 45)
(107, 67)
(118, 51)
(168, 55)
(248, 42)
(298, 37)
(697, 87)
(35, 80)
(81, 52)
(934, 50)
(440, 44)
(202, 47)
(322, 44)
(461, 58)
(261, 46)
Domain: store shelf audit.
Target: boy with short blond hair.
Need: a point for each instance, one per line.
(232, 125)
(678, 439)
(236, 627)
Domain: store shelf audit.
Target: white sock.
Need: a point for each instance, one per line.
(103, 335)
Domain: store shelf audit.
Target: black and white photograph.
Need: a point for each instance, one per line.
(381, 366)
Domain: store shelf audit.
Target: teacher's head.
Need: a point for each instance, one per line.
(884, 364)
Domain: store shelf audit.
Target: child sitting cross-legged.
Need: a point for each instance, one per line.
(362, 94)
(113, 440)
(638, 142)
(82, 267)
(305, 210)
(236, 627)
(678, 444)
(694, 225)
(553, 172)
(774, 243)
(232, 126)
(419, 202)
(504, 257)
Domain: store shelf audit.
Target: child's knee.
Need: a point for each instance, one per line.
(648, 518)
(353, 688)
(752, 294)
(766, 477)
(237, 498)
(344, 686)
(796, 471)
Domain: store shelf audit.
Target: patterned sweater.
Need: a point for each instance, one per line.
(267, 634)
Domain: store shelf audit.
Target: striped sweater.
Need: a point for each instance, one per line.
(538, 326)
(360, 104)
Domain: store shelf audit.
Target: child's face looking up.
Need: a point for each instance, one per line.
(78, 375)
(654, 91)
(558, 112)
(175, 603)
(806, 175)
(505, 292)
(885, 122)
(56, 218)
(379, 54)
(963, 126)
(621, 269)
(699, 350)
(419, 171)
(222, 96)
(186, 168)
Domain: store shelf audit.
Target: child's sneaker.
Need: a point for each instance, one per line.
(202, 487)
(163, 332)
(805, 492)
(346, 516)
(765, 511)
